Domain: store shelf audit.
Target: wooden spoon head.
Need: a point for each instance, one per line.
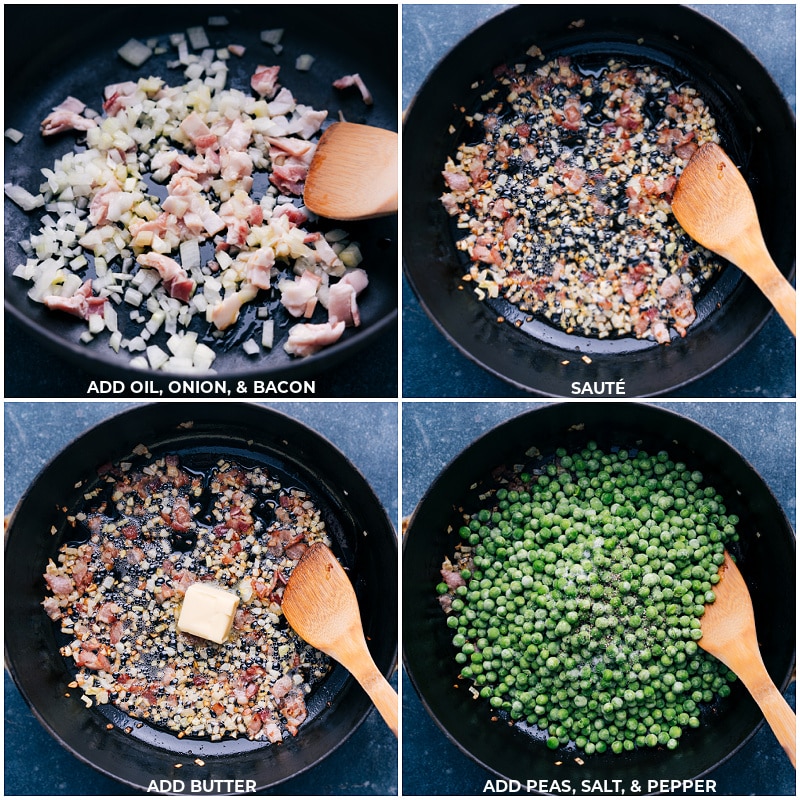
(319, 601)
(729, 619)
(353, 174)
(713, 203)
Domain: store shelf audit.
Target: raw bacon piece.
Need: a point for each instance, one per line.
(225, 313)
(306, 338)
(264, 81)
(62, 120)
(82, 304)
(299, 297)
(354, 80)
(175, 278)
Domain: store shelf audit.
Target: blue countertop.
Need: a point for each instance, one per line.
(366, 764)
(432, 367)
(435, 433)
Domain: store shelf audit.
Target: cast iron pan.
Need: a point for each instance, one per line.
(765, 555)
(363, 539)
(756, 127)
(73, 52)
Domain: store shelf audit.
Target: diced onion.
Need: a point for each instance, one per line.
(268, 334)
(22, 197)
(197, 37)
(14, 135)
(304, 62)
(273, 36)
(134, 52)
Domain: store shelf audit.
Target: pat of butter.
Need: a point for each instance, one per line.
(207, 611)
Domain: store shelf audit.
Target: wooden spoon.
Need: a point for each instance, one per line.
(714, 206)
(729, 632)
(353, 174)
(321, 606)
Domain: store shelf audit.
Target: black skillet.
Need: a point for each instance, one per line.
(73, 52)
(765, 553)
(756, 126)
(363, 539)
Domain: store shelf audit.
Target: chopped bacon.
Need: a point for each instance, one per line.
(299, 297)
(176, 280)
(81, 304)
(234, 165)
(89, 656)
(226, 312)
(259, 267)
(574, 179)
(289, 176)
(510, 227)
(293, 709)
(61, 585)
(452, 578)
(264, 81)
(572, 115)
(52, 608)
(566, 74)
(237, 137)
(307, 338)
(181, 517)
(342, 305)
(119, 96)
(62, 120)
(456, 181)
(198, 133)
(108, 613)
(290, 146)
(354, 80)
(671, 286)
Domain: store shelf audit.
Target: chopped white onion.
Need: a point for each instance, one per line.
(303, 62)
(251, 347)
(135, 52)
(268, 334)
(197, 37)
(22, 197)
(14, 135)
(273, 36)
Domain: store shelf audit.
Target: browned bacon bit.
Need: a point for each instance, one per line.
(157, 529)
(563, 202)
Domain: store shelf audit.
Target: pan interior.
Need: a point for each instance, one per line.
(518, 752)
(201, 458)
(134, 751)
(535, 355)
(733, 128)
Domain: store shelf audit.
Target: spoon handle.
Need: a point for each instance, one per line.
(764, 272)
(382, 694)
(777, 711)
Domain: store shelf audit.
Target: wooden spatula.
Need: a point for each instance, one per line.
(353, 174)
(713, 204)
(728, 630)
(321, 606)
